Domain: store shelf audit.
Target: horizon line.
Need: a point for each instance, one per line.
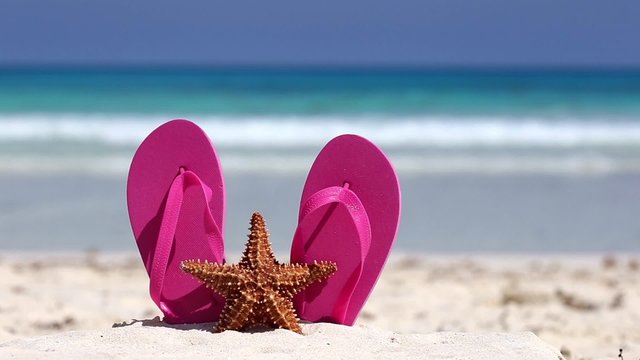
(138, 66)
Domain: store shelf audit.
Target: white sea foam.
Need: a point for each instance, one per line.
(104, 144)
(288, 132)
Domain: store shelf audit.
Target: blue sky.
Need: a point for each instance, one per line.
(329, 32)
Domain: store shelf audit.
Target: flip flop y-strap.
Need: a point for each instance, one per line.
(167, 232)
(335, 195)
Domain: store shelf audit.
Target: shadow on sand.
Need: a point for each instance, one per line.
(157, 322)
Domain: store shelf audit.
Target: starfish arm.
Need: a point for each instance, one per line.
(237, 313)
(258, 252)
(280, 313)
(290, 274)
(321, 270)
(292, 279)
(223, 279)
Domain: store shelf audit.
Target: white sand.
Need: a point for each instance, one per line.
(584, 305)
(153, 340)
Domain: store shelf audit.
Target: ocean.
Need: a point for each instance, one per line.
(491, 160)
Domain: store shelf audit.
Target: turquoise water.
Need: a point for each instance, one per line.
(575, 121)
(307, 92)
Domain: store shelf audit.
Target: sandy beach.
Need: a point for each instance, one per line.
(586, 306)
(152, 339)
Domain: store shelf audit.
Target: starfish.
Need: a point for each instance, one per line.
(258, 290)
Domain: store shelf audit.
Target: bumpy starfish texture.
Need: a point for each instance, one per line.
(258, 290)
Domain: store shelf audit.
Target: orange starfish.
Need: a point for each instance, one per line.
(258, 290)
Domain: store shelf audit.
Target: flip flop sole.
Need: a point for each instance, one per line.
(157, 162)
(354, 160)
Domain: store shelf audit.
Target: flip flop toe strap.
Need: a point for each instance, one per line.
(355, 209)
(167, 232)
(342, 195)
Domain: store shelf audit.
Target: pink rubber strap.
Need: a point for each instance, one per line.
(167, 232)
(346, 197)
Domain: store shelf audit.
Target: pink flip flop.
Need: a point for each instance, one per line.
(176, 201)
(349, 213)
